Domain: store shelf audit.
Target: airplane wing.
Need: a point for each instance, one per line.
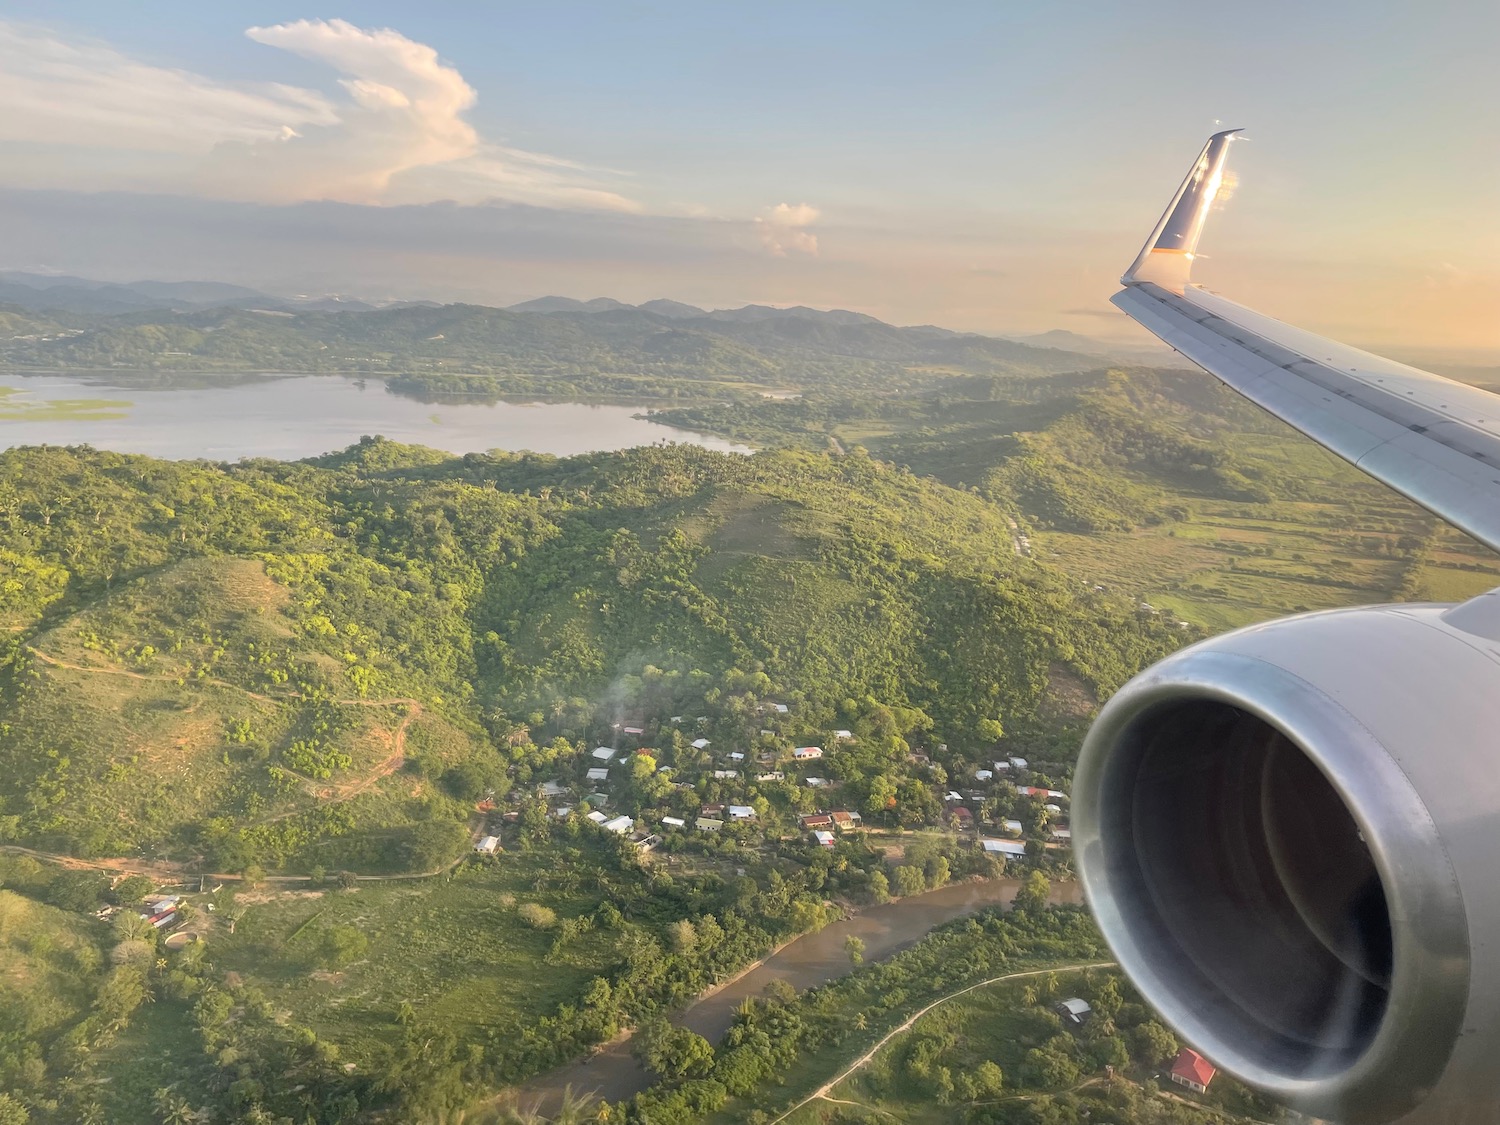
(1429, 438)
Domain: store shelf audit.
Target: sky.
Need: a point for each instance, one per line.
(986, 166)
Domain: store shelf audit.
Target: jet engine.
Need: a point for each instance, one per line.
(1290, 836)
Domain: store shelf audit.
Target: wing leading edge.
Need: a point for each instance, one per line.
(1429, 438)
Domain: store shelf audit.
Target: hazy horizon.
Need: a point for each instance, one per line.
(980, 170)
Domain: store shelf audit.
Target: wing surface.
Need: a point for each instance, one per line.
(1432, 439)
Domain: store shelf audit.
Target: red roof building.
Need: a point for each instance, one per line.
(1192, 1070)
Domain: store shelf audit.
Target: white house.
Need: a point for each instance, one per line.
(741, 812)
(1001, 767)
(774, 775)
(487, 845)
(983, 775)
(1004, 847)
(953, 796)
(597, 817)
(736, 756)
(824, 839)
(708, 824)
(844, 735)
(604, 754)
(1074, 1008)
(674, 822)
(817, 782)
(1018, 763)
(1061, 832)
(553, 789)
(1012, 826)
(700, 743)
(1053, 808)
(620, 825)
(562, 812)
(598, 773)
(807, 753)
(725, 775)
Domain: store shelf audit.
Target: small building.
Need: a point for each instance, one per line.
(562, 812)
(983, 775)
(488, 845)
(774, 775)
(844, 735)
(597, 817)
(599, 773)
(1002, 767)
(1192, 1070)
(1011, 849)
(604, 753)
(645, 841)
(779, 708)
(1075, 1009)
(1018, 763)
(620, 825)
(807, 753)
(817, 820)
(674, 822)
(675, 719)
(1014, 827)
(736, 756)
(953, 796)
(844, 820)
(961, 814)
(701, 743)
(1061, 832)
(726, 775)
(552, 789)
(741, 812)
(824, 839)
(817, 782)
(708, 824)
(1052, 808)
(637, 731)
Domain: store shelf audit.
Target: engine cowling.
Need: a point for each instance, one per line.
(1290, 836)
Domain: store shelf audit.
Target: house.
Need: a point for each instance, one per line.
(952, 796)
(675, 719)
(736, 756)
(635, 730)
(553, 789)
(700, 743)
(1018, 763)
(620, 825)
(824, 839)
(1074, 1010)
(1010, 848)
(674, 822)
(645, 841)
(1052, 808)
(961, 814)
(708, 824)
(1061, 832)
(726, 775)
(817, 820)
(844, 735)
(774, 775)
(598, 773)
(604, 753)
(1014, 827)
(844, 820)
(779, 708)
(1192, 1070)
(983, 775)
(597, 817)
(817, 782)
(741, 812)
(807, 753)
(1002, 767)
(562, 812)
(488, 845)
(1038, 791)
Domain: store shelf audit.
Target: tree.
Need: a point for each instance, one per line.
(537, 916)
(672, 1052)
(132, 889)
(1032, 896)
(1153, 1043)
(348, 880)
(987, 1080)
(854, 946)
(910, 880)
(880, 886)
(12, 1112)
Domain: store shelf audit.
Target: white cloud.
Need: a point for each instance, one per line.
(783, 229)
(392, 130)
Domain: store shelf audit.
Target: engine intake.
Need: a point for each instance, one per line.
(1290, 836)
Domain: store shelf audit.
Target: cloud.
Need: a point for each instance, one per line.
(783, 229)
(390, 130)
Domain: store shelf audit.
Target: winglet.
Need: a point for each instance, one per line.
(1167, 257)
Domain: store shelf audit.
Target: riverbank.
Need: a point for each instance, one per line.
(614, 1074)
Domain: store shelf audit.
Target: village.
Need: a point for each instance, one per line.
(670, 783)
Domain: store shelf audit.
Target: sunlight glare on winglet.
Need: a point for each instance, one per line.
(1167, 257)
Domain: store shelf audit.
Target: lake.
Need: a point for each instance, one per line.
(227, 417)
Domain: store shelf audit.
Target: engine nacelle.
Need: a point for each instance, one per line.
(1290, 836)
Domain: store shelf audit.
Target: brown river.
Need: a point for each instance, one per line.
(813, 959)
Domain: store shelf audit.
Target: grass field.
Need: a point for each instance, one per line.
(455, 951)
